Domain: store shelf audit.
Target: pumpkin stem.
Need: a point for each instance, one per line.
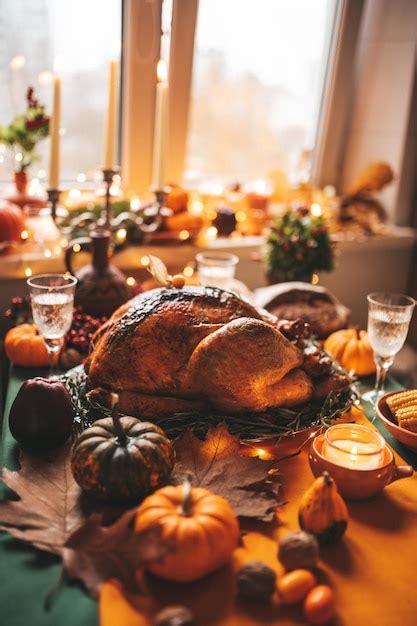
(121, 435)
(186, 507)
(358, 333)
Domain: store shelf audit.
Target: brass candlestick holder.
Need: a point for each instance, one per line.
(146, 219)
(53, 199)
(153, 216)
(108, 174)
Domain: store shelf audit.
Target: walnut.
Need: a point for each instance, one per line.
(298, 550)
(256, 581)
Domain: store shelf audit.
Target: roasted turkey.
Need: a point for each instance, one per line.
(175, 350)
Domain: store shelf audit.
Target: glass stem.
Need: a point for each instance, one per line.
(54, 348)
(383, 363)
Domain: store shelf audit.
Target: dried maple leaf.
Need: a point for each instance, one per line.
(95, 553)
(49, 508)
(215, 464)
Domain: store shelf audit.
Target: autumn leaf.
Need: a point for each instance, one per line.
(96, 553)
(215, 464)
(49, 507)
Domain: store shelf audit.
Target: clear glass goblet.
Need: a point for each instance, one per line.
(52, 299)
(389, 316)
(216, 269)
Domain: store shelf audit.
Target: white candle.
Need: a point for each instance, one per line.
(353, 446)
(353, 454)
(161, 127)
(54, 155)
(110, 136)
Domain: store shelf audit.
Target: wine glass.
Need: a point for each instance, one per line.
(52, 299)
(389, 316)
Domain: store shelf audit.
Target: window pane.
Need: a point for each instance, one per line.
(81, 35)
(258, 76)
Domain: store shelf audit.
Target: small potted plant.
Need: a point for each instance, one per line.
(22, 136)
(298, 244)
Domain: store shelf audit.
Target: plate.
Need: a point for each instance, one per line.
(404, 436)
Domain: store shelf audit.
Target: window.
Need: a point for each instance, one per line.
(258, 78)
(82, 35)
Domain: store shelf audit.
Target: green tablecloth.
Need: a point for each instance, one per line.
(26, 574)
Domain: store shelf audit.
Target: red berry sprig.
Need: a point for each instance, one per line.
(83, 328)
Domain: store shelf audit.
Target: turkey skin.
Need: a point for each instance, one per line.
(177, 350)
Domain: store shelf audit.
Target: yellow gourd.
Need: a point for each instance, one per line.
(322, 510)
(351, 348)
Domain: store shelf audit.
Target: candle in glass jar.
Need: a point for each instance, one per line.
(354, 447)
(216, 269)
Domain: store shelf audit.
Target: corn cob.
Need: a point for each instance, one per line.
(403, 406)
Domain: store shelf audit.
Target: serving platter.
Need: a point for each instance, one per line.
(288, 429)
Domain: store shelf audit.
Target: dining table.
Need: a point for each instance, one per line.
(371, 570)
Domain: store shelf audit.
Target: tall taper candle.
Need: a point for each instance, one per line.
(54, 155)
(110, 137)
(161, 127)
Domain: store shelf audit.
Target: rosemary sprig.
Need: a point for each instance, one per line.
(273, 423)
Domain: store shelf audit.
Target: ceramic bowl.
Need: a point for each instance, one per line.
(357, 484)
(404, 436)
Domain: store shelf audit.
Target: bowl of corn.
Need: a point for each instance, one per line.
(398, 412)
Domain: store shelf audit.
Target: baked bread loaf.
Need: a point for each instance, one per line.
(314, 304)
(176, 350)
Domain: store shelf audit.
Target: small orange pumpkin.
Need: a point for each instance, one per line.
(176, 199)
(352, 349)
(24, 346)
(200, 527)
(11, 221)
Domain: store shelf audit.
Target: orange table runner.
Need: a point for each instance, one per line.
(371, 570)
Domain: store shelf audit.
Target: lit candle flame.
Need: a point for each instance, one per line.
(354, 452)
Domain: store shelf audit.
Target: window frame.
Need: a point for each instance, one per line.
(334, 117)
(139, 121)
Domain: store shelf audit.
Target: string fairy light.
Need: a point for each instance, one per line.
(184, 235)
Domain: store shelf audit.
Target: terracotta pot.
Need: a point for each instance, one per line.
(21, 182)
(21, 197)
